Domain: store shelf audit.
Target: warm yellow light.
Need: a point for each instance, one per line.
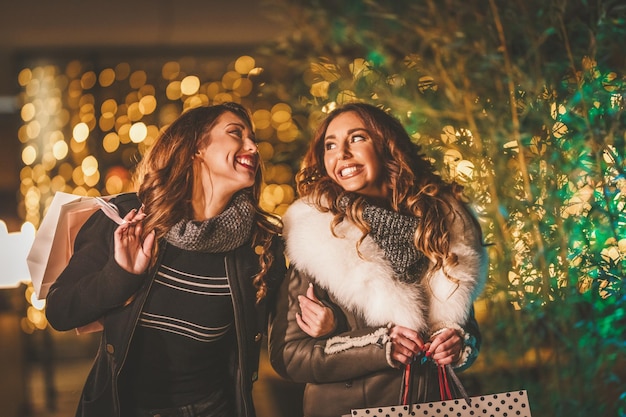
(89, 166)
(33, 128)
(173, 91)
(122, 71)
(123, 133)
(213, 89)
(92, 180)
(111, 142)
(266, 151)
(138, 132)
(28, 112)
(244, 64)
(57, 183)
(282, 173)
(114, 184)
(138, 79)
(147, 105)
(319, 89)
(29, 155)
(134, 114)
(229, 79)
(25, 77)
(224, 97)
(108, 107)
(170, 70)
(242, 86)
(80, 132)
(106, 122)
(107, 77)
(287, 132)
(466, 169)
(88, 80)
(262, 118)
(190, 85)
(559, 129)
(60, 150)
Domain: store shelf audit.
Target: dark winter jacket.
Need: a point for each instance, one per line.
(94, 287)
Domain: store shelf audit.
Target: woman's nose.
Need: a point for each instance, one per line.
(345, 152)
(250, 145)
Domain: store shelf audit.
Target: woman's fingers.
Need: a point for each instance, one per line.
(318, 318)
(405, 344)
(446, 347)
(131, 253)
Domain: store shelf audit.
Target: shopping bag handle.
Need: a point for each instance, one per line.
(445, 388)
(444, 385)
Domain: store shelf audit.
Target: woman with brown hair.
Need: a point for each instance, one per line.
(381, 243)
(182, 287)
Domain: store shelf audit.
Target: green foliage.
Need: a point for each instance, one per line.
(523, 102)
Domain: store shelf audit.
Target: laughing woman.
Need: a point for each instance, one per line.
(379, 242)
(182, 287)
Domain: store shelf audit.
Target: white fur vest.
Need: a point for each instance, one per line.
(366, 284)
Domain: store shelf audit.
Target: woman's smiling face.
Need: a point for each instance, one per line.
(230, 156)
(350, 157)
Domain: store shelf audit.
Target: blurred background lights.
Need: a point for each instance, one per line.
(190, 85)
(138, 132)
(80, 132)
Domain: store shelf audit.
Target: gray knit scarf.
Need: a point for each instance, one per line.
(222, 233)
(394, 233)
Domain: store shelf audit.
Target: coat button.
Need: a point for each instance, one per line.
(258, 337)
(110, 348)
(255, 376)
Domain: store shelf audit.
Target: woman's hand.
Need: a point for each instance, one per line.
(445, 347)
(316, 319)
(131, 253)
(405, 344)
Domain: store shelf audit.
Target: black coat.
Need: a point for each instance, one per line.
(94, 287)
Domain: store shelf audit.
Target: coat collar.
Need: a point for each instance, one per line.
(363, 282)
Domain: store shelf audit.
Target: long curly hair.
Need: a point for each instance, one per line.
(415, 188)
(166, 179)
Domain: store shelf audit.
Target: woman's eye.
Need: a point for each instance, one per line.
(357, 138)
(237, 132)
(328, 146)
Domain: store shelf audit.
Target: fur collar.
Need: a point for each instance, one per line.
(366, 284)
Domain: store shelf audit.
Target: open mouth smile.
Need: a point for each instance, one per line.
(248, 161)
(349, 171)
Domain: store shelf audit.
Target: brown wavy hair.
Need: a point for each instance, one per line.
(414, 186)
(165, 175)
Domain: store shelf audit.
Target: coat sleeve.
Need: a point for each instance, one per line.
(92, 283)
(301, 358)
(453, 288)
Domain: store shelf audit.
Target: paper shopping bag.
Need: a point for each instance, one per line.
(54, 241)
(53, 245)
(509, 404)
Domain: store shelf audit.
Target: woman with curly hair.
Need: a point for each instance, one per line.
(384, 246)
(183, 286)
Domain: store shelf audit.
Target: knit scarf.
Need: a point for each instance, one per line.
(222, 233)
(394, 233)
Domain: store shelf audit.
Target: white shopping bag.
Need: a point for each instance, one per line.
(514, 403)
(54, 241)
